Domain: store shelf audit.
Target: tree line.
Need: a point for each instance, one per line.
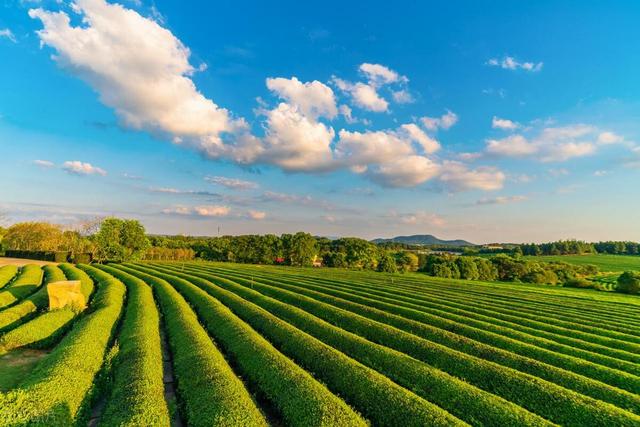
(577, 247)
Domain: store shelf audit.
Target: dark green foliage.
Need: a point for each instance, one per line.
(300, 399)
(461, 399)
(137, 391)
(209, 391)
(629, 283)
(58, 391)
(379, 399)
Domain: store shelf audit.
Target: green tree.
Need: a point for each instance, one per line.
(468, 268)
(302, 250)
(120, 240)
(387, 263)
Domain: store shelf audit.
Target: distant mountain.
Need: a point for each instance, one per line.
(423, 239)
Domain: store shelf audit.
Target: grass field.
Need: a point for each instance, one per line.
(606, 263)
(240, 345)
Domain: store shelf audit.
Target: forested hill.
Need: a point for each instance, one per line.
(423, 239)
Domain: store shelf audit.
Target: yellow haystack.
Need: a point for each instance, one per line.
(66, 294)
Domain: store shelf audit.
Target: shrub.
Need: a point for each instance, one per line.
(137, 391)
(300, 399)
(29, 279)
(57, 392)
(209, 391)
(629, 283)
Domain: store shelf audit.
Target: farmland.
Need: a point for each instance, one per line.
(606, 263)
(201, 343)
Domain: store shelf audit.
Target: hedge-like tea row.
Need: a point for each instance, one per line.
(41, 332)
(13, 316)
(208, 390)
(509, 314)
(29, 279)
(549, 400)
(7, 273)
(137, 391)
(440, 305)
(492, 336)
(57, 392)
(379, 399)
(46, 329)
(464, 401)
(74, 273)
(294, 393)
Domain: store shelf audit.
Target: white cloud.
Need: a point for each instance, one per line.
(417, 218)
(556, 173)
(296, 142)
(346, 112)
(44, 163)
(380, 75)
(363, 95)
(511, 146)
(510, 63)
(402, 96)
(77, 167)
(445, 121)
(233, 183)
(600, 173)
(139, 69)
(313, 99)
(429, 145)
(406, 172)
(202, 211)
(606, 138)
(7, 33)
(500, 200)
(506, 124)
(458, 177)
(257, 215)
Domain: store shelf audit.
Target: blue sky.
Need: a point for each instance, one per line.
(489, 121)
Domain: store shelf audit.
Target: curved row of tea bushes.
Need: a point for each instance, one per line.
(294, 393)
(209, 392)
(549, 400)
(28, 280)
(137, 390)
(7, 273)
(483, 333)
(58, 392)
(13, 316)
(46, 329)
(379, 399)
(463, 400)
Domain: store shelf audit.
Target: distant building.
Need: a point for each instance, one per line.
(317, 261)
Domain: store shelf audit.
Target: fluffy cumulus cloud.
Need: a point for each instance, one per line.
(313, 99)
(232, 183)
(77, 167)
(445, 121)
(366, 95)
(363, 95)
(142, 71)
(138, 68)
(510, 63)
(506, 124)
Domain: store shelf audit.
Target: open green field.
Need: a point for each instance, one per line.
(202, 343)
(606, 263)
